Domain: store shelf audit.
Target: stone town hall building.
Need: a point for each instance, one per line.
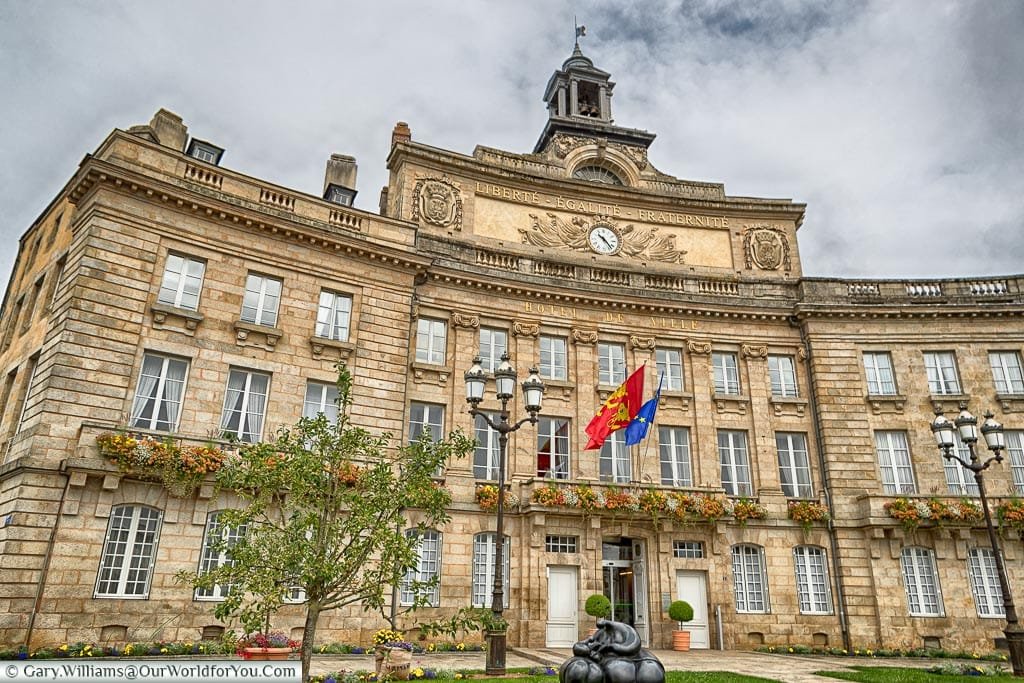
(162, 293)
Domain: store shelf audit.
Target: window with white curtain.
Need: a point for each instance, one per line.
(483, 569)
(245, 403)
(670, 367)
(878, 370)
(614, 461)
(261, 300)
(726, 373)
(750, 585)
(129, 549)
(182, 282)
(782, 376)
(431, 338)
(1015, 449)
(486, 453)
(732, 455)
(428, 566)
(321, 397)
(611, 364)
(674, 450)
(1006, 372)
(894, 462)
(217, 541)
(924, 599)
(424, 417)
(159, 393)
(333, 316)
(553, 448)
(794, 465)
(959, 479)
(988, 595)
(941, 369)
(493, 343)
(812, 580)
(553, 358)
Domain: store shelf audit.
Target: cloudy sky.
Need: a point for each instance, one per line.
(900, 124)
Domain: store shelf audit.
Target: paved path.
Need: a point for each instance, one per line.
(789, 668)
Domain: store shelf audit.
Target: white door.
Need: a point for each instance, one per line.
(693, 588)
(563, 603)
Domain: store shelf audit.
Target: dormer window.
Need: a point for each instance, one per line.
(597, 174)
(336, 194)
(204, 151)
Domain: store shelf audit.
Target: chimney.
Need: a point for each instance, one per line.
(401, 133)
(340, 179)
(169, 130)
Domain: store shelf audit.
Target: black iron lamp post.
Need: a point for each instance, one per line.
(533, 394)
(967, 425)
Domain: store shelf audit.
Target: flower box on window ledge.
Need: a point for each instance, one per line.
(180, 469)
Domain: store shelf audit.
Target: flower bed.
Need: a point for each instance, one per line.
(179, 468)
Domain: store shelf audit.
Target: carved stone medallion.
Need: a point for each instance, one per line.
(766, 247)
(524, 329)
(642, 243)
(438, 202)
(465, 320)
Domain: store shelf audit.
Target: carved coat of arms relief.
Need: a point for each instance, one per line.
(437, 201)
(766, 247)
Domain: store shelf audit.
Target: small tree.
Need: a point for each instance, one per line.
(598, 605)
(680, 611)
(326, 508)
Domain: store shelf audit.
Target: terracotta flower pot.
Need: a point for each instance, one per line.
(267, 653)
(681, 641)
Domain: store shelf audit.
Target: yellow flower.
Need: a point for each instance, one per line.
(460, 647)
(63, 648)
(458, 676)
(128, 649)
(417, 672)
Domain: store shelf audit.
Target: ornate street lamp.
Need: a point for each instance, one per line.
(533, 394)
(967, 426)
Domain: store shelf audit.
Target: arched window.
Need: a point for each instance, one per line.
(428, 566)
(483, 569)
(217, 539)
(126, 567)
(812, 580)
(597, 174)
(750, 585)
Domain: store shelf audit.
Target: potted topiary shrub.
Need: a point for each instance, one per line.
(680, 611)
(599, 606)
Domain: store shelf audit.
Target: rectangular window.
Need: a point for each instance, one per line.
(959, 480)
(30, 376)
(1015, 449)
(484, 547)
(333, 316)
(217, 542)
(321, 397)
(426, 417)
(611, 364)
(159, 393)
(922, 582)
(55, 284)
(878, 369)
(33, 301)
(8, 388)
(182, 283)
(794, 465)
(812, 580)
(750, 586)
(1006, 372)
(431, 337)
(485, 455)
(674, 449)
(894, 462)
(427, 569)
(553, 358)
(553, 448)
(670, 366)
(245, 403)
(942, 375)
(782, 374)
(732, 454)
(493, 343)
(988, 596)
(727, 374)
(561, 544)
(615, 465)
(693, 550)
(261, 301)
(128, 552)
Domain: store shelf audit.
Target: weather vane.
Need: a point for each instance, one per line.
(580, 30)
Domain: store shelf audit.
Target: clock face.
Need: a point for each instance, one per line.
(603, 240)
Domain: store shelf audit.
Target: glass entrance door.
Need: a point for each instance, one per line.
(617, 570)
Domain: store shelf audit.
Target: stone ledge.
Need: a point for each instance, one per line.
(164, 316)
(886, 403)
(322, 346)
(244, 330)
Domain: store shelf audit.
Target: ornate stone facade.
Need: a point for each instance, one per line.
(780, 390)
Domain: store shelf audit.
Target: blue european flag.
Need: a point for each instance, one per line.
(636, 431)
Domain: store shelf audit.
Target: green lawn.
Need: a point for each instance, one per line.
(884, 674)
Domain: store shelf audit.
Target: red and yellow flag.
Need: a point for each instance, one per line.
(618, 411)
